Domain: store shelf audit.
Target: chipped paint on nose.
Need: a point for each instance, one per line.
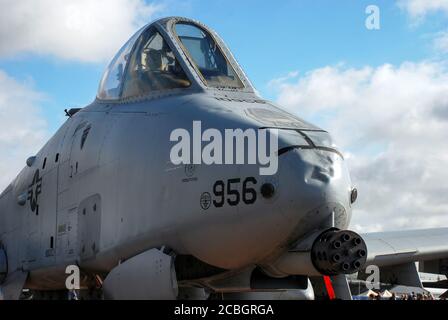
(326, 169)
(319, 189)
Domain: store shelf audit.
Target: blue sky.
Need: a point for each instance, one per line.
(383, 94)
(268, 40)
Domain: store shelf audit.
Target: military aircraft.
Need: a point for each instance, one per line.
(104, 195)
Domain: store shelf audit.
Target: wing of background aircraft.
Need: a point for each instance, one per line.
(399, 247)
(396, 252)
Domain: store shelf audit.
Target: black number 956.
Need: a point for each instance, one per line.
(233, 193)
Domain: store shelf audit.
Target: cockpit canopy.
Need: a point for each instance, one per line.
(171, 54)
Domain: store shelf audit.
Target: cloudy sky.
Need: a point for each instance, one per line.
(382, 93)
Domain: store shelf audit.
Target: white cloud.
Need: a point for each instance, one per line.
(441, 42)
(420, 8)
(85, 30)
(23, 129)
(278, 81)
(393, 121)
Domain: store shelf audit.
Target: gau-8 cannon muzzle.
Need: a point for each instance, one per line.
(338, 252)
(329, 253)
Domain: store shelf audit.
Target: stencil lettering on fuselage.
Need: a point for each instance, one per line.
(34, 190)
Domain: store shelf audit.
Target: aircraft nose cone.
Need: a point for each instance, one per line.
(253, 217)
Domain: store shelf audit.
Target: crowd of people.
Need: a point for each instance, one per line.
(405, 296)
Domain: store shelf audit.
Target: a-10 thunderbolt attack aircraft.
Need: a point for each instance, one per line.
(104, 194)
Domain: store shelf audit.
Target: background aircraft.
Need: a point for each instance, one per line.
(103, 194)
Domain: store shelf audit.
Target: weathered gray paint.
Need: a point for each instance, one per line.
(144, 202)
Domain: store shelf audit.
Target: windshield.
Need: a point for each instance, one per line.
(111, 82)
(207, 56)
